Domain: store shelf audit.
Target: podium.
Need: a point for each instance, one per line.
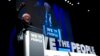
(34, 44)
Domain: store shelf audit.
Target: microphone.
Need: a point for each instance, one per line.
(21, 6)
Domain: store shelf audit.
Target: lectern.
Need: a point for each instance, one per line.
(34, 44)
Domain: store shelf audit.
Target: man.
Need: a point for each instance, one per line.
(23, 25)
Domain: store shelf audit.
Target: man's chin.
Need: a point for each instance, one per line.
(27, 22)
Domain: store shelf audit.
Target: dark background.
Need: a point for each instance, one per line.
(85, 25)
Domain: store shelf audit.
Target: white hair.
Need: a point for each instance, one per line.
(25, 14)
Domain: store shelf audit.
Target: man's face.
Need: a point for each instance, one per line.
(26, 18)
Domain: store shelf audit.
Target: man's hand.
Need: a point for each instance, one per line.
(21, 6)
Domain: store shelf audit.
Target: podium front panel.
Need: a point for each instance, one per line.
(34, 44)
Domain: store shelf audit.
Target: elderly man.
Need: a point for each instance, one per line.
(22, 25)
